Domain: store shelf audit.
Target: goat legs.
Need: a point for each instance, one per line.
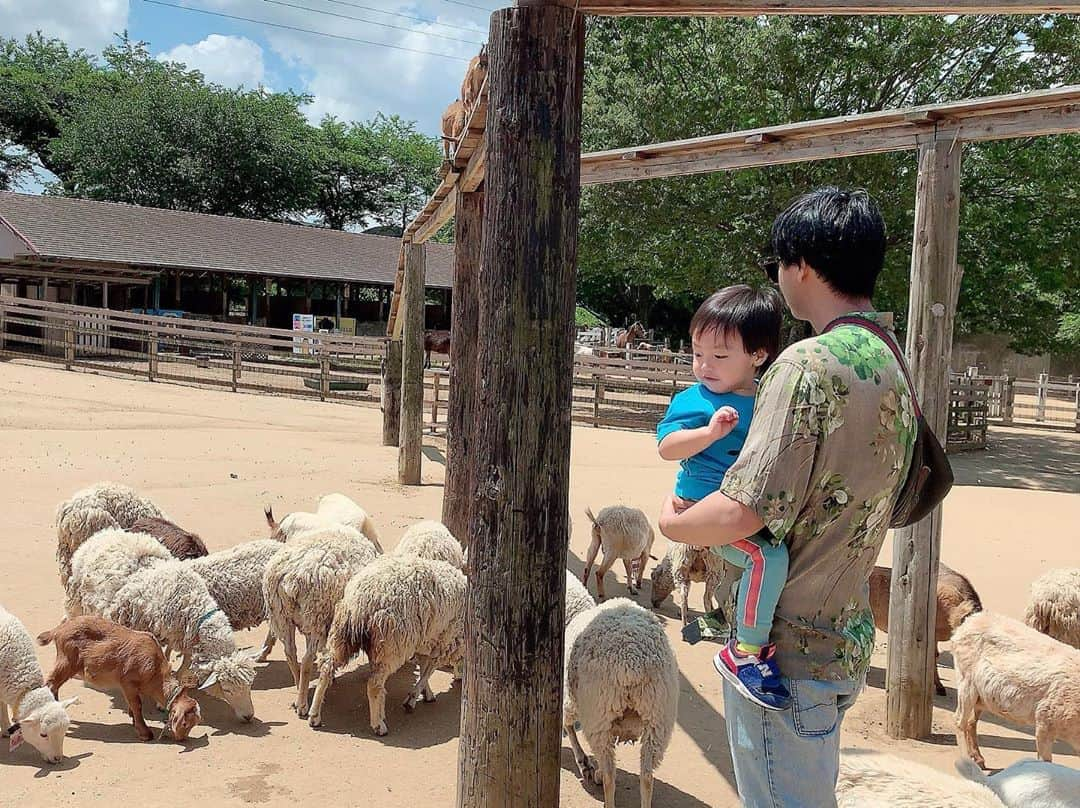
(421, 689)
(134, 700)
(64, 669)
(326, 678)
(5, 720)
(590, 559)
(586, 767)
(307, 666)
(1044, 738)
(268, 646)
(628, 566)
(376, 690)
(967, 719)
(684, 602)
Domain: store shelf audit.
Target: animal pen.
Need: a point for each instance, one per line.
(513, 185)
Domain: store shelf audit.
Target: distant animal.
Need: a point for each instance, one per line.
(453, 122)
(474, 80)
(635, 331)
(624, 533)
(437, 342)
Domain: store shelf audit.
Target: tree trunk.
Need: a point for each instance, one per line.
(412, 365)
(935, 285)
(512, 692)
(459, 486)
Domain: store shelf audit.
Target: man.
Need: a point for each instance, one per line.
(828, 448)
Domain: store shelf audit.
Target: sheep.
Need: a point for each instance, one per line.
(302, 585)
(39, 718)
(131, 579)
(1029, 783)
(1011, 670)
(181, 544)
(1054, 606)
(578, 599)
(956, 599)
(396, 608)
(621, 684)
(109, 655)
(623, 533)
(235, 580)
(333, 509)
(93, 509)
(683, 564)
(432, 540)
(453, 122)
(872, 780)
(475, 75)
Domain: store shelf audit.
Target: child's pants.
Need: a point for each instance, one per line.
(765, 568)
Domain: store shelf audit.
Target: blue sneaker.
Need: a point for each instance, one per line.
(756, 677)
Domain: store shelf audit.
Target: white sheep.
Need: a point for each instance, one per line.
(131, 579)
(1054, 606)
(38, 717)
(333, 509)
(684, 564)
(876, 780)
(432, 540)
(92, 509)
(624, 533)
(396, 608)
(1011, 670)
(578, 599)
(621, 684)
(302, 585)
(1029, 783)
(235, 580)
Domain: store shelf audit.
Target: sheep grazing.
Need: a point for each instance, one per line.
(302, 585)
(473, 82)
(131, 579)
(39, 718)
(432, 540)
(93, 509)
(1011, 670)
(872, 780)
(234, 578)
(623, 533)
(1029, 783)
(181, 544)
(1054, 607)
(453, 123)
(333, 509)
(621, 684)
(956, 599)
(396, 608)
(108, 655)
(682, 565)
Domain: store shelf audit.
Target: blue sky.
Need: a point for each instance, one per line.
(350, 80)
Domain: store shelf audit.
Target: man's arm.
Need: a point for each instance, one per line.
(712, 522)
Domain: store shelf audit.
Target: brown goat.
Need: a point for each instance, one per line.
(453, 122)
(956, 600)
(179, 542)
(474, 80)
(112, 656)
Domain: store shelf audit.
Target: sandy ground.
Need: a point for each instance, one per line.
(211, 459)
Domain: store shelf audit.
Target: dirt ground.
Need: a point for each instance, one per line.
(212, 459)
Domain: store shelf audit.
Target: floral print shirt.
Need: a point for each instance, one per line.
(827, 450)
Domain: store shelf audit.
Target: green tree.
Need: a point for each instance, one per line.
(411, 161)
(352, 173)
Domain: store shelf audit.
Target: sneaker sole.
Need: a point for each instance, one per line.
(738, 685)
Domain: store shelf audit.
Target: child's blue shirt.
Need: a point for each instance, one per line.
(702, 474)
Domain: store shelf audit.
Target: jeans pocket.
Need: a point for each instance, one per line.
(814, 707)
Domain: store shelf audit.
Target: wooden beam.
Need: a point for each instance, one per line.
(441, 216)
(391, 393)
(473, 175)
(935, 284)
(753, 8)
(459, 484)
(412, 366)
(511, 697)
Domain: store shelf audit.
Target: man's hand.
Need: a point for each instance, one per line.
(722, 422)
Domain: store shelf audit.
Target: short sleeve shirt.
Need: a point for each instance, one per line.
(827, 450)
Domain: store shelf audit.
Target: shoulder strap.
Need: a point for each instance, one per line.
(883, 335)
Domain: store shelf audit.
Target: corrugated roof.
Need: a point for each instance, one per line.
(83, 229)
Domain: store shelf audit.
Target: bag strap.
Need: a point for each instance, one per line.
(883, 335)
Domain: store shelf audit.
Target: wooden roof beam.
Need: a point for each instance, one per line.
(753, 8)
(442, 214)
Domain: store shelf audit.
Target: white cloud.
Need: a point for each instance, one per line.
(231, 61)
(88, 24)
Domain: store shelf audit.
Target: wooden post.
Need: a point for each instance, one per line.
(459, 486)
(3, 325)
(236, 366)
(266, 294)
(935, 285)
(324, 374)
(151, 356)
(69, 345)
(391, 393)
(1007, 396)
(412, 365)
(337, 309)
(598, 398)
(1040, 401)
(1077, 400)
(511, 716)
(435, 377)
(177, 289)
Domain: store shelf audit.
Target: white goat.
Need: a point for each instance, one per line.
(1029, 783)
(624, 533)
(878, 780)
(684, 564)
(333, 509)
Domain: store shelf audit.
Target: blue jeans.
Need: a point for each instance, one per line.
(789, 758)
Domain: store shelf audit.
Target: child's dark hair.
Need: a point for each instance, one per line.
(754, 314)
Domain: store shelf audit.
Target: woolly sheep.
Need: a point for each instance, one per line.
(396, 608)
(1011, 670)
(578, 599)
(333, 509)
(621, 684)
(38, 716)
(872, 780)
(92, 509)
(235, 580)
(302, 585)
(1054, 606)
(1029, 783)
(624, 533)
(432, 540)
(131, 579)
(684, 564)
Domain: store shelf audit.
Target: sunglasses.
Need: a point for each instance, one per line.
(771, 267)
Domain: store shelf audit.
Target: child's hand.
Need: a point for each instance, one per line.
(722, 422)
(679, 504)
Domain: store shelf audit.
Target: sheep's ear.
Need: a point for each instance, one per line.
(209, 682)
(68, 702)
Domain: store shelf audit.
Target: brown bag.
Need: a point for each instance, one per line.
(929, 476)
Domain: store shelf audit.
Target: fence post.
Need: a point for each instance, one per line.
(69, 346)
(3, 324)
(324, 374)
(434, 402)
(151, 355)
(1040, 406)
(1078, 407)
(391, 393)
(598, 398)
(1007, 393)
(236, 365)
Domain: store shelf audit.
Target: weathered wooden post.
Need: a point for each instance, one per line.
(459, 486)
(935, 285)
(598, 398)
(412, 365)
(1040, 400)
(69, 345)
(512, 692)
(1007, 393)
(3, 324)
(391, 393)
(151, 355)
(436, 384)
(236, 365)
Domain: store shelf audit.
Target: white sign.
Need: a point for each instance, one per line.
(303, 322)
